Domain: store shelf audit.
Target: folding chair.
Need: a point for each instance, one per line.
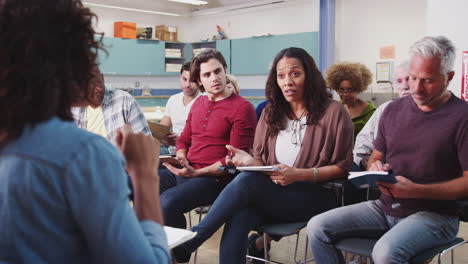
(288, 229)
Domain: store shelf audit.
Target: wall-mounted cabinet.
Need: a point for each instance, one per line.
(255, 55)
(132, 57)
(243, 56)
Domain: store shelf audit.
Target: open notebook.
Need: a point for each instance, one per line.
(177, 236)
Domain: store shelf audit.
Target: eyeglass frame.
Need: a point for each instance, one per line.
(347, 90)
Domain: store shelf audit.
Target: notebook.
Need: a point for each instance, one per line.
(159, 131)
(258, 168)
(368, 178)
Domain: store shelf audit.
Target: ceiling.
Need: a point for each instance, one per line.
(167, 6)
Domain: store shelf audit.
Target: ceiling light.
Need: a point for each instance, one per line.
(192, 2)
(132, 9)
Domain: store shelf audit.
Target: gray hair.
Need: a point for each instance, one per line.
(402, 65)
(439, 46)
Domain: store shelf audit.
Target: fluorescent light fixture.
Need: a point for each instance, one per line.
(192, 2)
(213, 11)
(132, 9)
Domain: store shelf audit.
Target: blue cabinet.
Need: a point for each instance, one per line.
(132, 57)
(243, 56)
(224, 46)
(254, 55)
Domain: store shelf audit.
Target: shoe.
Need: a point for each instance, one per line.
(181, 255)
(253, 251)
(202, 209)
(357, 260)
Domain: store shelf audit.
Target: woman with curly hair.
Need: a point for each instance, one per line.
(63, 190)
(349, 80)
(302, 132)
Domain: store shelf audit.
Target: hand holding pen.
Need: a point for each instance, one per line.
(379, 166)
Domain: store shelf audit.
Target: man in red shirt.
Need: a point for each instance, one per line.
(216, 119)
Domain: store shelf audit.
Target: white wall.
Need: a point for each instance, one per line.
(289, 17)
(448, 18)
(107, 17)
(364, 26)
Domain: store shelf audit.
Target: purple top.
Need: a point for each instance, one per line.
(425, 147)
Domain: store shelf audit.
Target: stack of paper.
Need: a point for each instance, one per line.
(177, 236)
(198, 51)
(175, 53)
(173, 67)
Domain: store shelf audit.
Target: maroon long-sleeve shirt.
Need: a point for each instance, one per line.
(213, 125)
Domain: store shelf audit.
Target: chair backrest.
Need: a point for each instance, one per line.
(464, 206)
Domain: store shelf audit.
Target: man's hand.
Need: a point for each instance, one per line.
(186, 171)
(378, 166)
(285, 176)
(141, 153)
(238, 157)
(172, 139)
(404, 188)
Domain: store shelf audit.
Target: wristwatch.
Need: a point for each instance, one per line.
(315, 176)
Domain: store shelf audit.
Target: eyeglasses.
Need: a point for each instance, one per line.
(295, 137)
(347, 90)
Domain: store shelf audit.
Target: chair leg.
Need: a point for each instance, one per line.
(265, 247)
(196, 251)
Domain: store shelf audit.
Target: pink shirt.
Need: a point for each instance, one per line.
(213, 125)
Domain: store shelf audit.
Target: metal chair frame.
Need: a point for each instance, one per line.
(338, 187)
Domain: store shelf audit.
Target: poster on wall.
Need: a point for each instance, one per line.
(464, 84)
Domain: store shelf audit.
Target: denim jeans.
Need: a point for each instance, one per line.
(400, 238)
(180, 195)
(252, 199)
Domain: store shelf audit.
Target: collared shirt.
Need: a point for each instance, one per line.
(213, 125)
(64, 199)
(365, 138)
(119, 108)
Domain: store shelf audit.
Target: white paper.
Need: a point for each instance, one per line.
(177, 236)
(258, 168)
(355, 174)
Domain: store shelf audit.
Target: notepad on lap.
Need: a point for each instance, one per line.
(258, 168)
(368, 178)
(177, 236)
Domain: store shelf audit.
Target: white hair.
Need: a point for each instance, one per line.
(404, 65)
(439, 46)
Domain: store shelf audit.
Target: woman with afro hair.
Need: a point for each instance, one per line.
(349, 80)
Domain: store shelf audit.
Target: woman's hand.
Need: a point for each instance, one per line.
(238, 157)
(285, 176)
(141, 153)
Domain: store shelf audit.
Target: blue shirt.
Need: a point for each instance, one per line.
(64, 199)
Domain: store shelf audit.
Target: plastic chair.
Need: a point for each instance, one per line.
(364, 246)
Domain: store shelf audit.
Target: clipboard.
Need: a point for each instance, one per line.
(159, 131)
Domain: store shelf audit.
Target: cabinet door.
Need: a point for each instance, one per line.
(224, 46)
(254, 55)
(132, 57)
